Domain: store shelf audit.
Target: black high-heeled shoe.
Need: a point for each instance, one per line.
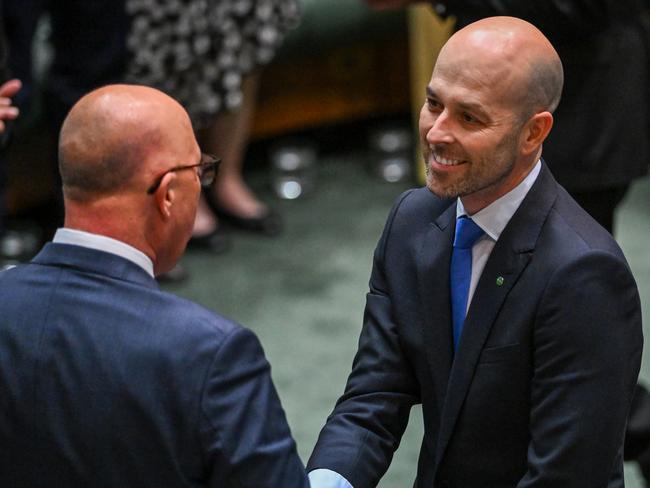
(217, 242)
(269, 223)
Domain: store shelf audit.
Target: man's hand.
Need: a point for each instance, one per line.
(8, 111)
(389, 4)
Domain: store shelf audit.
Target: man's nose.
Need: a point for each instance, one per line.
(441, 130)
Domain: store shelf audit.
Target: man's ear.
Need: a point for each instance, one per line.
(536, 130)
(165, 195)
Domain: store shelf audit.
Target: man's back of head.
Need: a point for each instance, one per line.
(115, 142)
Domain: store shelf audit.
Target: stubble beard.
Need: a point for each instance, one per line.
(482, 174)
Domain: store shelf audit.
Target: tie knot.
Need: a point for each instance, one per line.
(467, 233)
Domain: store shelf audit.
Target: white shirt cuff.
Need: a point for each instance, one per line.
(326, 478)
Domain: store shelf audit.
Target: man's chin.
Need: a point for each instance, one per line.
(438, 190)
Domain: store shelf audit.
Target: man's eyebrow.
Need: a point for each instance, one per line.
(472, 107)
(469, 106)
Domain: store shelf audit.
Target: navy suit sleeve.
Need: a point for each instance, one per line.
(588, 345)
(248, 442)
(365, 428)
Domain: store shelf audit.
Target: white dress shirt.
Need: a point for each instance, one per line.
(106, 244)
(492, 219)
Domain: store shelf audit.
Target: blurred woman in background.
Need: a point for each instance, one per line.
(207, 55)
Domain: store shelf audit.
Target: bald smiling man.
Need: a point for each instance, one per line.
(510, 315)
(105, 379)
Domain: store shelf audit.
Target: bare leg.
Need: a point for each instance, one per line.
(227, 137)
(205, 222)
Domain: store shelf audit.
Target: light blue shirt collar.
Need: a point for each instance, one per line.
(106, 244)
(494, 218)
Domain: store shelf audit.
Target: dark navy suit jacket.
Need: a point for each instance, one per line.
(538, 391)
(107, 381)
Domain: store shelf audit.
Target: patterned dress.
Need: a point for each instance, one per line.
(197, 51)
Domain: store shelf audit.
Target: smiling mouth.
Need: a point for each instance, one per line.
(446, 161)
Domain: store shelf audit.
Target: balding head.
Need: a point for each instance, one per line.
(116, 143)
(488, 109)
(109, 134)
(513, 53)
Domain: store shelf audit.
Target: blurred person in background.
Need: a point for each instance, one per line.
(13, 244)
(204, 53)
(86, 42)
(207, 55)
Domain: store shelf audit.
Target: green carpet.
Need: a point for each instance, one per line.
(303, 292)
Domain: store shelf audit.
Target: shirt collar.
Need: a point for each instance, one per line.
(494, 218)
(106, 244)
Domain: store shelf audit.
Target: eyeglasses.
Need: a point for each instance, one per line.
(207, 170)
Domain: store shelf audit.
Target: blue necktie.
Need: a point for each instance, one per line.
(467, 232)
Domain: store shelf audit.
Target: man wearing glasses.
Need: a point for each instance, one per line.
(105, 379)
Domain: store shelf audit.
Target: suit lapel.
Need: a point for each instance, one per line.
(433, 265)
(508, 259)
(485, 306)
